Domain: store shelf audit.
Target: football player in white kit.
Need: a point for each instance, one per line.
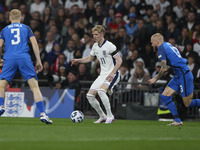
(110, 62)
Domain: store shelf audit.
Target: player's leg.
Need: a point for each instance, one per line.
(108, 86)
(167, 98)
(91, 96)
(33, 83)
(3, 85)
(106, 102)
(187, 93)
(8, 72)
(27, 70)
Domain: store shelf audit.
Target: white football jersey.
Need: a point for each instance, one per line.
(105, 54)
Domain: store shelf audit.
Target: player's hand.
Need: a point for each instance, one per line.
(1, 62)
(39, 66)
(74, 62)
(110, 77)
(152, 81)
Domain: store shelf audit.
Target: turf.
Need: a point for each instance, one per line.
(31, 134)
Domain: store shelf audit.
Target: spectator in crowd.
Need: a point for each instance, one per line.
(43, 53)
(75, 14)
(60, 60)
(54, 53)
(194, 67)
(183, 39)
(90, 9)
(26, 17)
(151, 26)
(73, 83)
(161, 6)
(141, 33)
(83, 73)
(178, 9)
(46, 16)
(133, 55)
(122, 41)
(38, 5)
(110, 17)
(132, 26)
(45, 74)
(191, 22)
(98, 16)
(124, 74)
(70, 3)
(189, 51)
(60, 18)
(61, 78)
(149, 58)
(49, 41)
(65, 27)
(147, 15)
(69, 52)
(116, 24)
(55, 5)
(196, 33)
(86, 44)
(197, 44)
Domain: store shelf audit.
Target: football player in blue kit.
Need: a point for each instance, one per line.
(17, 57)
(182, 81)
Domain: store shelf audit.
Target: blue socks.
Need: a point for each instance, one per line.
(40, 106)
(195, 103)
(1, 101)
(171, 106)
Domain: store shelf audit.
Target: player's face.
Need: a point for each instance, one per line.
(153, 44)
(97, 36)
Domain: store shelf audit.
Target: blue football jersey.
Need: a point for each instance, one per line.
(173, 58)
(16, 37)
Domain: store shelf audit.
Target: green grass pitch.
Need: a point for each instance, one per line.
(31, 134)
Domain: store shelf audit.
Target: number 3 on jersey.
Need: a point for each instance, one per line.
(16, 33)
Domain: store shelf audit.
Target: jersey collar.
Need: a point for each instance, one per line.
(102, 43)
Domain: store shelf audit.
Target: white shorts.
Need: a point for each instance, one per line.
(102, 80)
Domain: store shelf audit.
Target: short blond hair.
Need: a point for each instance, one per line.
(99, 28)
(15, 14)
(158, 36)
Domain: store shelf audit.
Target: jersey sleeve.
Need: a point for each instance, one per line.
(113, 50)
(30, 33)
(161, 53)
(1, 35)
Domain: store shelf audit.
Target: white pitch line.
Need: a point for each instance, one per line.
(97, 139)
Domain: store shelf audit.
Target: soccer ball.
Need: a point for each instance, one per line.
(77, 116)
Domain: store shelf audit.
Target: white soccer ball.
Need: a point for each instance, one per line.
(77, 116)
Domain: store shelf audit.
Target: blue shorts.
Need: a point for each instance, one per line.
(183, 83)
(24, 65)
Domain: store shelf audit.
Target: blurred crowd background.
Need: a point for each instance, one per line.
(63, 31)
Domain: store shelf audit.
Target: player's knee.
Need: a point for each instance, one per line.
(166, 99)
(101, 92)
(90, 97)
(187, 103)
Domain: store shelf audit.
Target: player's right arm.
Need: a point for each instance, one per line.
(163, 69)
(37, 53)
(82, 60)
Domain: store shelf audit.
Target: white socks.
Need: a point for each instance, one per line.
(95, 104)
(106, 102)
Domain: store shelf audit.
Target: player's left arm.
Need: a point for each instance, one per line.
(164, 68)
(36, 52)
(118, 59)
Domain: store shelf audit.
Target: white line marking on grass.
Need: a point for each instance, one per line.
(97, 139)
